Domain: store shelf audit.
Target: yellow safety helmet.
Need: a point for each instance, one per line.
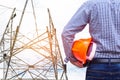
(80, 49)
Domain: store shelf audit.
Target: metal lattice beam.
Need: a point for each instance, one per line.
(31, 58)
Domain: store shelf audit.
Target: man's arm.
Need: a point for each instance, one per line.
(75, 25)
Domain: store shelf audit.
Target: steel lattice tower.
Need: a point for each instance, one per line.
(44, 60)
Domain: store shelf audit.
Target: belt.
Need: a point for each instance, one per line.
(105, 60)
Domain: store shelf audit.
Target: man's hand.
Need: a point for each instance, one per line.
(77, 63)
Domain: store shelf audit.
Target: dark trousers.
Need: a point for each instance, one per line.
(103, 71)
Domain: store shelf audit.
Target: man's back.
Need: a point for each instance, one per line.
(105, 26)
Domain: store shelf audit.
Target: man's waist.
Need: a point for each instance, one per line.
(105, 60)
(107, 54)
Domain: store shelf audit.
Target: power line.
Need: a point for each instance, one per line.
(13, 8)
(6, 7)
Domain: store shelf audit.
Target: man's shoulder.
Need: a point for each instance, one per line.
(97, 1)
(102, 1)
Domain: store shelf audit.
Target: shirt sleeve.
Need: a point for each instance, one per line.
(76, 24)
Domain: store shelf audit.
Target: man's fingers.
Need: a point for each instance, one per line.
(77, 63)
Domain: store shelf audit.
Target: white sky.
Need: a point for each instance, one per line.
(61, 12)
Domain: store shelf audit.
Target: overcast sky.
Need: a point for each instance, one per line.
(61, 12)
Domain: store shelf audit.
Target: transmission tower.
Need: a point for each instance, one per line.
(25, 58)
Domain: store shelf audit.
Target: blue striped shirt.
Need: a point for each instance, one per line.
(103, 17)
